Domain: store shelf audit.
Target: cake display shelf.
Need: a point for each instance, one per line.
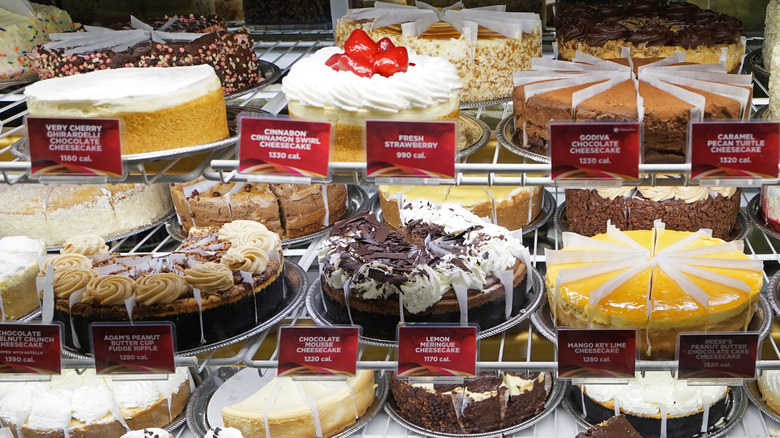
(202, 412)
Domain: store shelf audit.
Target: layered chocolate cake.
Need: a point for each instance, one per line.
(490, 402)
(221, 282)
(167, 42)
(443, 265)
(651, 29)
(656, 405)
(613, 427)
(664, 95)
(637, 208)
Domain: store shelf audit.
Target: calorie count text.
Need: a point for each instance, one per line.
(18, 359)
(437, 345)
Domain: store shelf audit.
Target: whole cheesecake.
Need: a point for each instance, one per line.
(651, 29)
(87, 405)
(220, 283)
(658, 281)
(443, 265)
(161, 108)
(423, 89)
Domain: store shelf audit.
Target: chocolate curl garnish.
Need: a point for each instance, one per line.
(101, 38)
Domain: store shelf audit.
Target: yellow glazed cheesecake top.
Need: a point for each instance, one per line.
(657, 277)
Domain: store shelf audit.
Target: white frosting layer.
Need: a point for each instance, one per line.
(770, 381)
(17, 254)
(647, 395)
(122, 90)
(151, 432)
(224, 432)
(430, 81)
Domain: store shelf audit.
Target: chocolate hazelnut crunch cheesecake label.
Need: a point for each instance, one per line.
(594, 151)
(283, 147)
(410, 149)
(312, 351)
(433, 350)
(596, 353)
(734, 150)
(717, 355)
(30, 348)
(68, 147)
(133, 348)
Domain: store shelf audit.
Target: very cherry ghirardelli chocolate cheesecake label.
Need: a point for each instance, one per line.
(717, 355)
(80, 147)
(437, 350)
(594, 150)
(269, 146)
(734, 149)
(31, 348)
(133, 348)
(410, 149)
(596, 353)
(318, 351)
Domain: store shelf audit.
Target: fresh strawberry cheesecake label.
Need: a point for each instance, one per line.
(717, 355)
(417, 149)
(734, 150)
(437, 350)
(283, 147)
(83, 147)
(594, 150)
(30, 348)
(596, 353)
(133, 348)
(318, 351)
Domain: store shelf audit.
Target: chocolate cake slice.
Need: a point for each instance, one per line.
(614, 427)
(484, 403)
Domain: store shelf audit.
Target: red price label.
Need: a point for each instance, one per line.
(739, 150)
(437, 350)
(594, 151)
(30, 348)
(84, 147)
(318, 350)
(133, 348)
(717, 355)
(418, 149)
(283, 147)
(596, 353)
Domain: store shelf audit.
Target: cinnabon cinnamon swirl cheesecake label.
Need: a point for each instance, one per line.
(133, 348)
(410, 149)
(596, 353)
(30, 348)
(318, 351)
(717, 355)
(435, 350)
(734, 150)
(67, 147)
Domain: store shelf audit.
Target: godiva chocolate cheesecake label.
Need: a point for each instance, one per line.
(734, 150)
(594, 151)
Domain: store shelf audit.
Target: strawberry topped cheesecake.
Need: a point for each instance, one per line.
(369, 80)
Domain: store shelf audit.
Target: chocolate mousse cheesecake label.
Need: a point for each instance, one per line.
(30, 348)
(133, 348)
(306, 351)
(437, 350)
(410, 149)
(283, 147)
(596, 353)
(595, 150)
(734, 150)
(717, 355)
(80, 147)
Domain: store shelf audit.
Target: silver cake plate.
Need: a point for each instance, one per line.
(476, 133)
(544, 215)
(754, 395)
(761, 321)
(505, 135)
(482, 103)
(270, 73)
(357, 202)
(757, 217)
(754, 63)
(119, 236)
(316, 308)
(553, 400)
(773, 292)
(296, 284)
(739, 232)
(762, 113)
(180, 419)
(737, 406)
(201, 404)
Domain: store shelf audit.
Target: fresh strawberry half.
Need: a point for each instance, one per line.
(384, 45)
(358, 66)
(391, 62)
(360, 45)
(333, 60)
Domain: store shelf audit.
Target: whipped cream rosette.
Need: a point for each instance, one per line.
(658, 281)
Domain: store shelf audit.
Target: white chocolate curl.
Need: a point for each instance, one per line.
(109, 290)
(160, 288)
(85, 244)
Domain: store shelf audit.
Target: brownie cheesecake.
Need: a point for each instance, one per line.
(443, 264)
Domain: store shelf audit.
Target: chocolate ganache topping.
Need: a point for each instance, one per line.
(651, 34)
(692, 37)
(646, 8)
(607, 31)
(681, 12)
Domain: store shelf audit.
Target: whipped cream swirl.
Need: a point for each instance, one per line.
(109, 290)
(70, 280)
(245, 258)
(209, 277)
(160, 288)
(86, 244)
